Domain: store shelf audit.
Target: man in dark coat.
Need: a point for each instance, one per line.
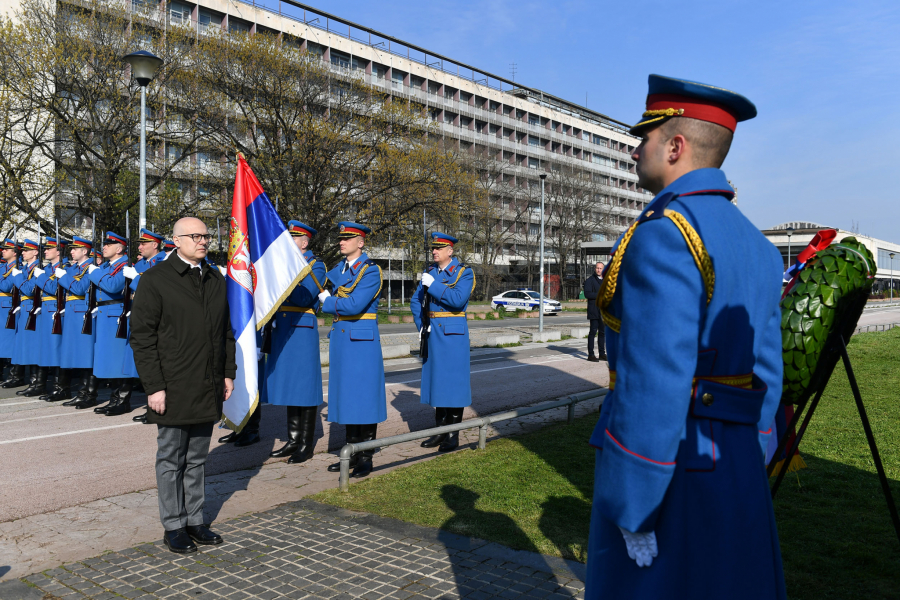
(591, 289)
(184, 352)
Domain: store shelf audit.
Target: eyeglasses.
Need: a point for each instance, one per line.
(196, 237)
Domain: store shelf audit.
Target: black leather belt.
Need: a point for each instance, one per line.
(108, 302)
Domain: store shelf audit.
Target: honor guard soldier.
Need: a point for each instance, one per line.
(9, 252)
(681, 504)
(356, 395)
(28, 342)
(449, 285)
(150, 250)
(77, 351)
(48, 358)
(109, 350)
(293, 371)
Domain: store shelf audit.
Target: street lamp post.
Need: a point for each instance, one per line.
(892, 276)
(541, 305)
(143, 66)
(390, 277)
(790, 232)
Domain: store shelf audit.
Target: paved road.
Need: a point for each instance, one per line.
(549, 321)
(880, 316)
(52, 457)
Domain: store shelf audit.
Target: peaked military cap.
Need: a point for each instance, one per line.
(670, 97)
(53, 242)
(168, 245)
(80, 242)
(29, 245)
(113, 238)
(442, 240)
(348, 230)
(9, 244)
(149, 236)
(297, 229)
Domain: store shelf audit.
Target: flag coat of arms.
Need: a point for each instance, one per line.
(264, 265)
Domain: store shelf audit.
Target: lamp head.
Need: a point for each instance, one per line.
(143, 66)
(790, 231)
(891, 255)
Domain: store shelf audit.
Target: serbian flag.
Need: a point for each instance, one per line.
(264, 265)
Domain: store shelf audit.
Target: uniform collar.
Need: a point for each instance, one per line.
(158, 257)
(114, 263)
(698, 182)
(307, 254)
(356, 265)
(451, 266)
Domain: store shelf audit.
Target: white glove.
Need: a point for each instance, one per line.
(421, 330)
(274, 324)
(60, 273)
(323, 294)
(128, 314)
(259, 354)
(62, 312)
(92, 268)
(37, 311)
(427, 279)
(130, 272)
(38, 272)
(16, 272)
(223, 270)
(641, 547)
(17, 309)
(96, 308)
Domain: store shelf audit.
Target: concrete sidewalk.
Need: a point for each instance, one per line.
(120, 524)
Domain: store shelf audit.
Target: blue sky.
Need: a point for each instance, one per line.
(824, 75)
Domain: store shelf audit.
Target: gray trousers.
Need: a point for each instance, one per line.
(181, 473)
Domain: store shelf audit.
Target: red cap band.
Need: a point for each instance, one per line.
(442, 241)
(692, 109)
(300, 230)
(353, 231)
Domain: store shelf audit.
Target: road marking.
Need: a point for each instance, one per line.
(18, 403)
(65, 414)
(52, 435)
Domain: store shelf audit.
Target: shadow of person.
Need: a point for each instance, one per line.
(459, 535)
(4, 569)
(558, 513)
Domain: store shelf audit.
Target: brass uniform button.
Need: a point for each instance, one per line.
(707, 399)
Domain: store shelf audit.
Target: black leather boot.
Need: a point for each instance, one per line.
(454, 416)
(90, 397)
(123, 397)
(308, 417)
(293, 429)
(113, 400)
(16, 377)
(38, 383)
(364, 464)
(353, 437)
(85, 375)
(249, 435)
(440, 419)
(63, 388)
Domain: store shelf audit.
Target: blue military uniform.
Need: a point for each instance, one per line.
(50, 343)
(77, 350)
(448, 342)
(694, 345)
(128, 367)
(356, 396)
(28, 343)
(8, 336)
(293, 371)
(7, 283)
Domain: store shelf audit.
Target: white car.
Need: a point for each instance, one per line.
(524, 300)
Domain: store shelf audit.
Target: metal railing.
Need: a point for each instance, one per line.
(481, 423)
(873, 328)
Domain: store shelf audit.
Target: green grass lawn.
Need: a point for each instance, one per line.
(533, 492)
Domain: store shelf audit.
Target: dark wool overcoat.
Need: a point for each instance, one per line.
(182, 340)
(591, 289)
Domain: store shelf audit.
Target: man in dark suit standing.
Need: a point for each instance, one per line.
(591, 289)
(184, 352)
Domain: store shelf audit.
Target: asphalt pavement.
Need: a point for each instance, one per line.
(563, 318)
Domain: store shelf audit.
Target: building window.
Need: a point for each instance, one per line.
(179, 14)
(235, 26)
(339, 59)
(884, 259)
(533, 119)
(533, 141)
(533, 163)
(207, 21)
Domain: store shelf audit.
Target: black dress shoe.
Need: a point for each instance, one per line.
(85, 403)
(336, 467)
(247, 438)
(227, 439)
(593, 358)
(363, 465)
(602, 357)
(203, 535)
(104, 406)
(179, 541)
(140, 418)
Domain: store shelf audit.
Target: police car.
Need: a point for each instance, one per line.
(524, 299)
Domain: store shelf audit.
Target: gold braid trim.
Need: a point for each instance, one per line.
(344, 291)
(313, 275)
(458, 275)
(695, 245)
(665, 112)
(698, 251)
